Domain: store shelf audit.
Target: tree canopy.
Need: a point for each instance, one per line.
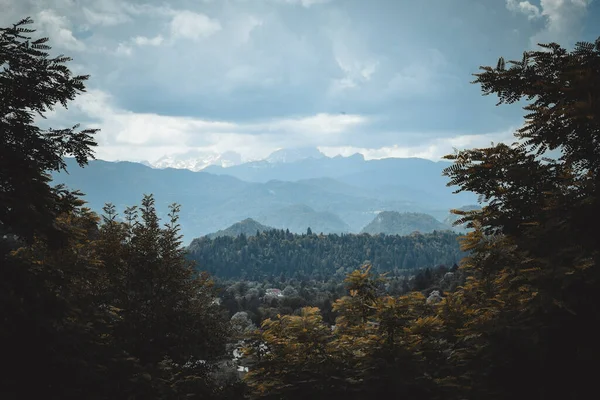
(33, 83)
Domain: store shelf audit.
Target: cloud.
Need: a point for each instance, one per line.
(123, 49)
(433, 149)
(57, 28)
(281, 72)
(356, 63)
(320, 124)
(144, 41)
(149, 134)
(304, 3)
(195, 26)
(523, 7)
(423, 75)
(244, 26)
(109, 14)
(562, 18)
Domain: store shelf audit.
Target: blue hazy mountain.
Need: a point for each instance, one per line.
(346, 201)
(395, 223)
(411, 179)
(248, 227)
(299, 217)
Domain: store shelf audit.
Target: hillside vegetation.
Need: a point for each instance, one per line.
(278, 253)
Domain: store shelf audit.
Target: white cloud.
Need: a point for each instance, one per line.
(318, 124)
(243, 28)
(195, 26)
(123, 50)
(105, 17)
(562, 18)
(352, 55)
(306, 3)
(57, 28)
(432, 150)
(523, 7)
(423, 75)
(145, 41)
(149, 136)
(303, 3)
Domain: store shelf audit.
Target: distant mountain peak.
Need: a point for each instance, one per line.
(299, 217)
(197, 160)
(248, 227)
(294, 154)
(406, 223)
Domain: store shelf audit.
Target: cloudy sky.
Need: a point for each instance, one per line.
(380, 77)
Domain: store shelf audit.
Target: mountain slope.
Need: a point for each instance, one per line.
(299, 217)
(413, 179)
(210, 202)
(248, 227)
(395, 223)
(293, 155)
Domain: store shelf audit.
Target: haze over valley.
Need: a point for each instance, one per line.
(292, 189)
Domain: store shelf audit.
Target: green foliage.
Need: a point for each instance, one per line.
(55, 323)
(32, 83)
(522, 321)
(279, 253)
(376, 347)
(292, 357)
(168, 309)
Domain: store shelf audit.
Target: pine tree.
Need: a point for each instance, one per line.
(168, 317)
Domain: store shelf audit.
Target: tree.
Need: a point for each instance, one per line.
(56, 326)
(292, 358)
(534, 264)
(32, 83)
(168, 317)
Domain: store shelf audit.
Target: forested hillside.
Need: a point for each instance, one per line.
(278, 253)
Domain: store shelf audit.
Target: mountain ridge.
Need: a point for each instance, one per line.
(405, 223)
(212, 201)
(248, 227)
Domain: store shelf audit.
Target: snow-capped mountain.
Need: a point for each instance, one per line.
(293, 155)
(197, 160)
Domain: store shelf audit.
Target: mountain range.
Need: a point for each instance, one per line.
(197, 160)
(386, 222)
(329, 195)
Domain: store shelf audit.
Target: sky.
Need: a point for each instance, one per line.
(386, 78)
